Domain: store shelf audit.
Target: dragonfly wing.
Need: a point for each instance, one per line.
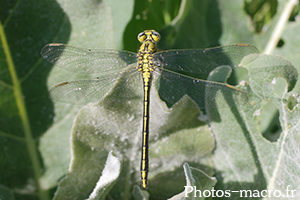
(86, 60)
(81, 91)
(93, 90)
(173, 86)
(193, 62)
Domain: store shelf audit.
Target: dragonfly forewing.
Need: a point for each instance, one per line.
(194, 62)
(86, 60)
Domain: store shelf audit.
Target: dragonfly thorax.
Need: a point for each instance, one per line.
(148, 38)
(145, 64)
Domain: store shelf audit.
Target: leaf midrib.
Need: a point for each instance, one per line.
(17, 90)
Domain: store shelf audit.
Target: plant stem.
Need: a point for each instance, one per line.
(275, 37)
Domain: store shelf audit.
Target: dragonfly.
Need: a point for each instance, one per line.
(176, 73)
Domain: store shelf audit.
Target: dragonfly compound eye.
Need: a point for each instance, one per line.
(155, 36)
(142, 36)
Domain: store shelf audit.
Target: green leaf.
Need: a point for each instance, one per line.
(108, 177)
(6, 193)
(252, 162)
(24, 105)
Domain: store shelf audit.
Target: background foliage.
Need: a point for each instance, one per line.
(255, 146)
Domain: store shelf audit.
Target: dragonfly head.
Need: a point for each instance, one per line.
(149, 35)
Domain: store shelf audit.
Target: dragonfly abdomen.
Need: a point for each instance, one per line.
(146, 67)
(145, 136)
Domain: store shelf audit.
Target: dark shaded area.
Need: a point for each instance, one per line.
(199, 28)
(273, 130)
(280, 43)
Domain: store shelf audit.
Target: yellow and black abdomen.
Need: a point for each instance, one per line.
(146, 69)
(145, 136)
